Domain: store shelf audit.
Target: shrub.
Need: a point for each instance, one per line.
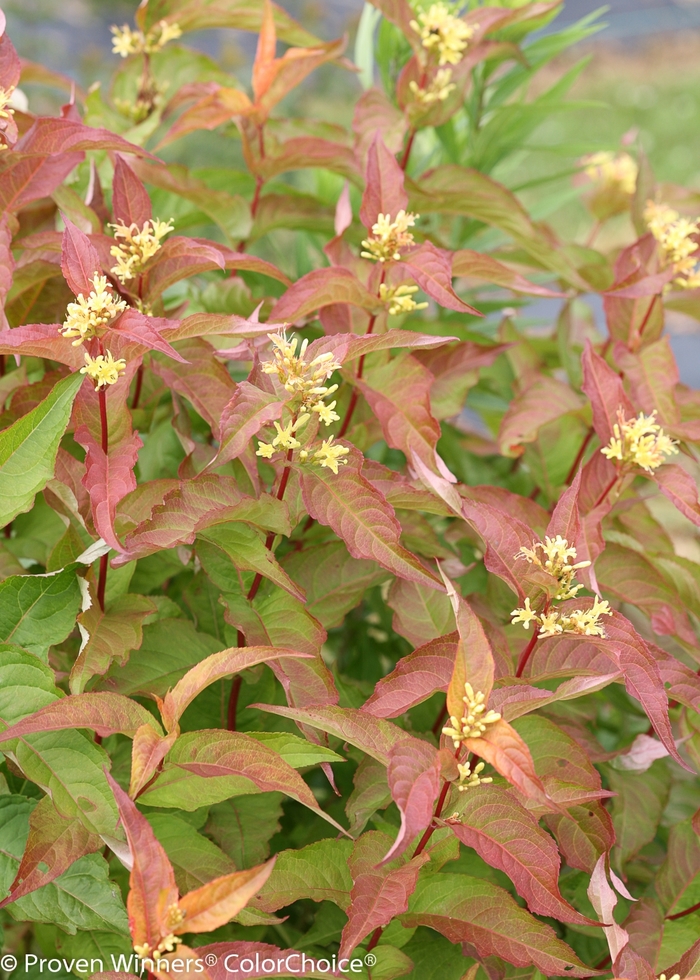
(332, 587)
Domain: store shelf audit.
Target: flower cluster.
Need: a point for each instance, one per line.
(305, 381)
(559, 559)
(640, 442)
(437, 91)
(443, 34)
(389, 237)
(582, 622)
(6, 109)
(612, 170)
(400, 299)
(103, 369)
(174, 917)
(470, 778)
(135, 246)
(126, 42)
(86, 317)
(475, 719)
(675, 237)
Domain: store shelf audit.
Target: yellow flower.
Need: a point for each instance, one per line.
(549, 625)
(442, 33)
(103, 369)
(389, 237)
(437, 91)
(87, 317)
(674, 235)
(586, 622)
(613, 170)
(331, 456)
(126, 42)
(302, 379)
(5, 103)
(400, 299)
(135, 246)
(285, 438)
(469, 779)
(475, 720)
(639, 441)
(265, 450)
(325, 412)
(559, 561)
(524, 615)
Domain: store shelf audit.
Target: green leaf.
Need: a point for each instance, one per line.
(26, 684)
(37, 611)
(81, 898)
(28, 449)
(295, 751)
(90, 946)
(14, 830)
(195, 859)
(319, 871)
(243, 826)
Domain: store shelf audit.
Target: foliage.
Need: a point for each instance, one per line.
(329, 588)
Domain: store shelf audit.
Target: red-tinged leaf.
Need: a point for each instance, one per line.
(378, 894)
(148, 750)
(214, 668)
(689, 964)
(474, 663)
(197, 504)
(508, 837)
(230, 956)
(455, 369)
(652, 374)
(583, 833)
(484, 268)
(152, 888)
(604, 389)
(374, 736)
(7, 265)
(79, 259)
(348, 347)
(27, 178)
(415, 678)
(10, 65)
(630, 965)
(414, 780)
(565, 518)
(560, 762)
(420, 613)
(305, 682)
(310, 151)
(239, 261)
(374, 113)
(52, 136)
(475, 911)
(643, 678)
(399, 395)
(384, 190)
(204, 382)
(216, 903)
(527, 511)
(215, 107)
(503, 748)
(109, 477)
(248, 410)
(431, 268)
(322, 287)
(265, 54)
(103, 713)
(218, 753)
(646, 286)
(54, 843)
(458, 190)
(676, 881)
(542, 402)
(517, 700)
(130, 201)
(504, 536)
(363, 518)
(208, 324)
(41, 340)
(681, 489)
(178, 259)
(108, 637)
(603, 899)
(279, 619)
(146, 332)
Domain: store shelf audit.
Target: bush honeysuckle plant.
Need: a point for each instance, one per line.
(346, 613)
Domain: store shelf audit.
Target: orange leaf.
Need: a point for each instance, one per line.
(504, 749)
(263, 70)
(216, 903)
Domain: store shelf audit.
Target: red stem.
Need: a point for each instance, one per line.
(681, 915)
(352, 404)
(139, 385)
(579, 456)
(437, 724)
(526, 654)
(407, 152)
(104, 560)
(606, 491)
(252, 592)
